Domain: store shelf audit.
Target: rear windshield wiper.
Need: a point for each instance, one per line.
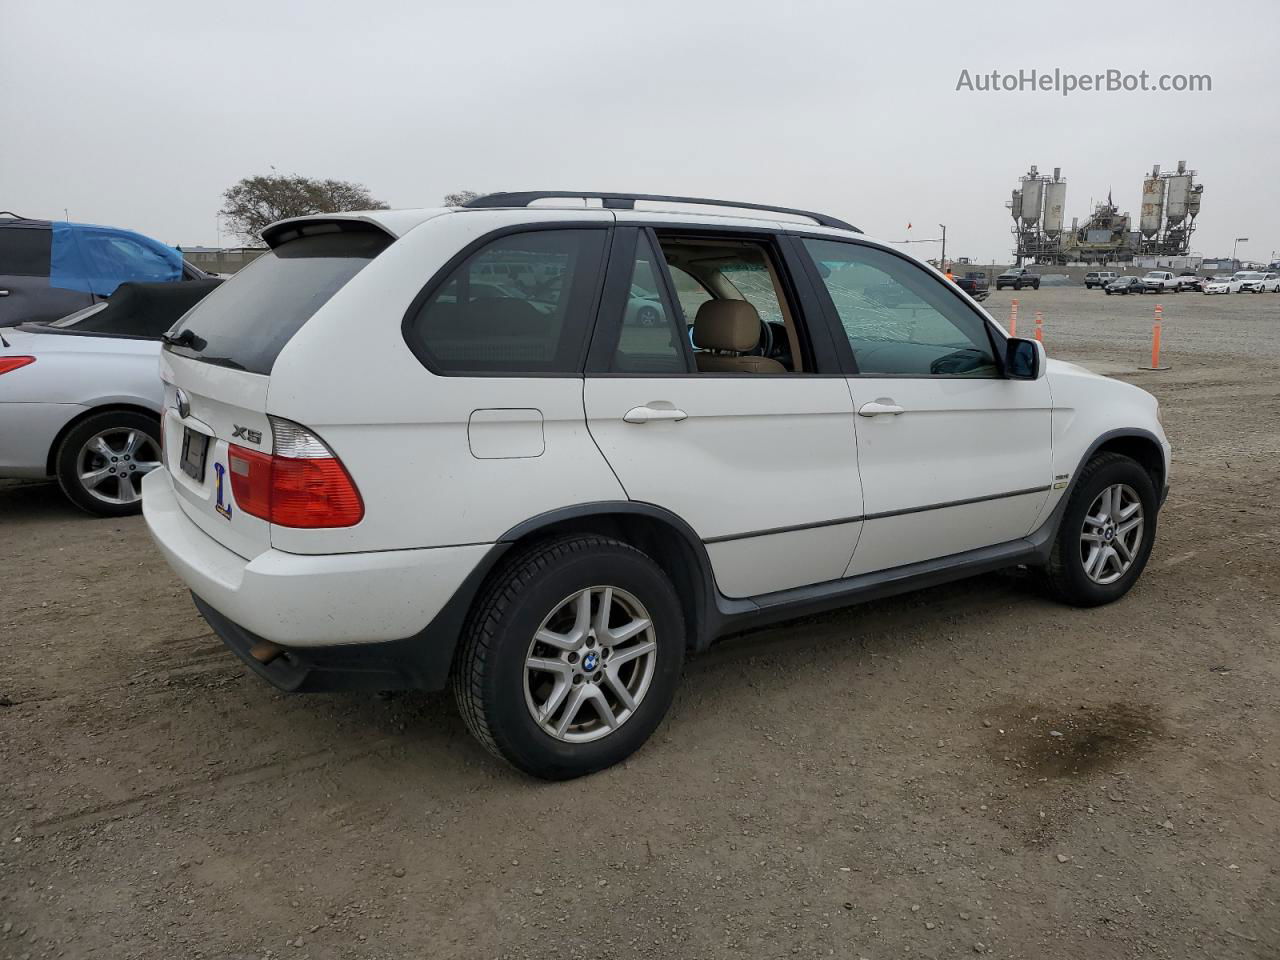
(224, 362)
(185, 338)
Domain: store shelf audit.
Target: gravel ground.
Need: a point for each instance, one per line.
(971, 770)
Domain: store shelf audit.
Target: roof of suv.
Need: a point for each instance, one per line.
(10, 219)
(400, 222)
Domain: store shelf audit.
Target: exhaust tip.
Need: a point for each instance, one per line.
(264, 651)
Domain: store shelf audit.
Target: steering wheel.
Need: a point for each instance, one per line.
(764, 346)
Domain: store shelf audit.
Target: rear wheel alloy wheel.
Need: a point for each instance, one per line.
(102, 460)
(571, 656)
(590, 664)
(111, 465)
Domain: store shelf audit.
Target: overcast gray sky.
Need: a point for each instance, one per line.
(139, 114)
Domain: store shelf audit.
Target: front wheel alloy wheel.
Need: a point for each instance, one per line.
(1106, 533)
(1111, 536)
(590, 664)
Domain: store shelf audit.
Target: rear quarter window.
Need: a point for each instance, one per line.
(247, 321)
(24, 251)
(520, 304)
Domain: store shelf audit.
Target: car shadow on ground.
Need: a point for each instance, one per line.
(35, 501)
(426, 735)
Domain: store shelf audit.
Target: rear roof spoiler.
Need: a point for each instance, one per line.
(283, 231)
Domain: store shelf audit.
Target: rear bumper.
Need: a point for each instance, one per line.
(415, 663)
(324, 609)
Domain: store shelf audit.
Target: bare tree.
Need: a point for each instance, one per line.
(254, 202)
(460, 198)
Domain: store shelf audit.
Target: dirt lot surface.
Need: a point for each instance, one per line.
(969, 770)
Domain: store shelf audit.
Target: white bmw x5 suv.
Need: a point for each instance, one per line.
(411, 448)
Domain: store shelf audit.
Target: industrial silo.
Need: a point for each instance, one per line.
(1193, 200)
(1015, 205)
(1032, 198)
(1175, 208)
(1055, 200)
(1152, 204)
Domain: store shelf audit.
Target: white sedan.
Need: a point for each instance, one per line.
(1232, 284)
(80, 398)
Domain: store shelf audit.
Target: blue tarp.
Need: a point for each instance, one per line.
(95, 259)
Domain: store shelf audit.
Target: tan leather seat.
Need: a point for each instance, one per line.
(723, 331)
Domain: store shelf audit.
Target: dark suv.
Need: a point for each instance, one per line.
(49, 269)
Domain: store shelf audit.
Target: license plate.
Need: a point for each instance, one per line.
(195, 446)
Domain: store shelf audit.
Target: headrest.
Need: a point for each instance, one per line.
(726, 325)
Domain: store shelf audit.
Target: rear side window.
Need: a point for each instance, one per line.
(652, 338)
(24, 252)
(246, 322)
(520, 304)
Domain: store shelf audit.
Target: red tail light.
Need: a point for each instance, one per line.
(300, 484)
(13, 363)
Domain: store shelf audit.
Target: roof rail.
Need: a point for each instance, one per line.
(627, 201)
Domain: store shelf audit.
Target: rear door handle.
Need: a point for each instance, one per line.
(874, 408)
(658, 410)
(4, 293)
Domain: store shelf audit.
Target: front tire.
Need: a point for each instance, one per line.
(1106, 533)
(101, 461)
(571, 656)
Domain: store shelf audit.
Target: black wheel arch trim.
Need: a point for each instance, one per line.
(705, 601)
(1137, 433)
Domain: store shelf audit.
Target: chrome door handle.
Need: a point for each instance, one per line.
(873, 408)
(652, 411)
(4, 293)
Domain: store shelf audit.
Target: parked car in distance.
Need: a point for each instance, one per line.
(1099, 278)
(1125, 285)
(1189, 281)
(1253, 282)
(1018, 277)
(80, 398)
(1159, 281)
(549, 511)
(975, 284)
(50, 268)
(1231, 284)
(1270, 283)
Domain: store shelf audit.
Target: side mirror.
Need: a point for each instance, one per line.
(1024, 359)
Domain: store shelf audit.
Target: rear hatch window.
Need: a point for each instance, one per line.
(246, 322)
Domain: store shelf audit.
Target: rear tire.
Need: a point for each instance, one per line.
(1079, 571)
(102, 459)
(530, 656)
